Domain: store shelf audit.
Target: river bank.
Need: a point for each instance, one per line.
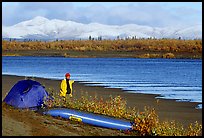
(183, 112)
(106, 54)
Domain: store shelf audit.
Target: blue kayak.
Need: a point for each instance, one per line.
(90, 118)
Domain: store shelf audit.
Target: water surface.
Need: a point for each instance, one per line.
(179, 79)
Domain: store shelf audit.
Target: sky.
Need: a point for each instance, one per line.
(154, 14)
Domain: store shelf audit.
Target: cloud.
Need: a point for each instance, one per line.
(155, 15)
(15, 13)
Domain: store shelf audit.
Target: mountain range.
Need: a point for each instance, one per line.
(43, 28)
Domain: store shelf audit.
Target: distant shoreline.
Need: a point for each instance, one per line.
(96, 54)
(135, 48)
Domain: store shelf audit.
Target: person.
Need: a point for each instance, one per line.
(66, 86)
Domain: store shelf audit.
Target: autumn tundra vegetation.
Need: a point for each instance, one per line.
(138, 48)
(145, 123)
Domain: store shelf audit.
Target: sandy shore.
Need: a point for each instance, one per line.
(34, 124)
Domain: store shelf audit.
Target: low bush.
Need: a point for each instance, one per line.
(145, 123)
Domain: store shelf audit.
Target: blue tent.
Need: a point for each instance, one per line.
(26, 94)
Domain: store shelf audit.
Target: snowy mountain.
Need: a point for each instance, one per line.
(43, 28)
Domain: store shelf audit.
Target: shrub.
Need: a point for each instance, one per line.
(168, 55)
(145, 123)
